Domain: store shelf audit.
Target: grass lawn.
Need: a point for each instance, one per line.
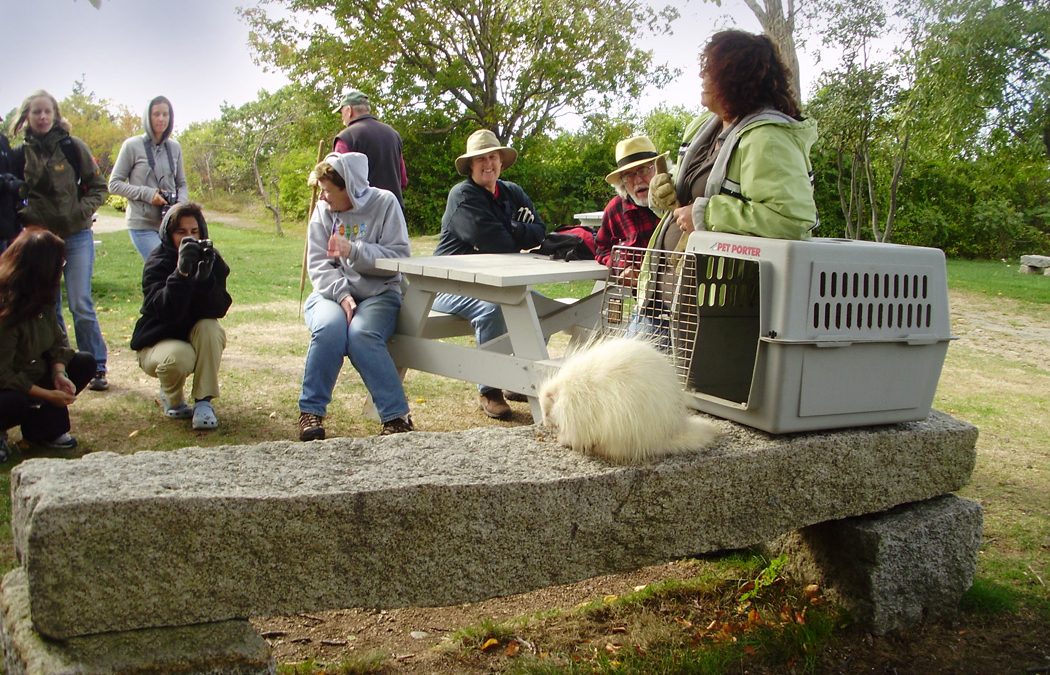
(1001, 393)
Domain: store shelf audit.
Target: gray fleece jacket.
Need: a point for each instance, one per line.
(375, 227)
(133, 178)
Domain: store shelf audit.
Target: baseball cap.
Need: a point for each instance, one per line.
(352, 97)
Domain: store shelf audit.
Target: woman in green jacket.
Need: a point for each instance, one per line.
(40, 376)
(65, 188)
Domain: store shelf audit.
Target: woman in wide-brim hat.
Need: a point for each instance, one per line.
(482, 142)
(485, 214)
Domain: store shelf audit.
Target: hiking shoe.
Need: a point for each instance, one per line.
(99, 382)
(398, 425)
(514, 396)
(494, 405)
(311, 427)
(63, 442)
(204, 418)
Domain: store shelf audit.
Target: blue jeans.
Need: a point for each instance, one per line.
(80, 265)
(145, 241)
(363, 340)
(485, 317)
(644, 326)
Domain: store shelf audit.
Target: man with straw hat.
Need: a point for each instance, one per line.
(628, 220)
(486, 215)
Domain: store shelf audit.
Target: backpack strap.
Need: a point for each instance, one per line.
(72, 153)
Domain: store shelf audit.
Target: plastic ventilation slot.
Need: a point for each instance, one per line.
(871, 301)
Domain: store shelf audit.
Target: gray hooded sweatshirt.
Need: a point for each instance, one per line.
(375, 227)
(133, 178)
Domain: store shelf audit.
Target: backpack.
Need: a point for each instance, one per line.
(569, 242)
(11, 162)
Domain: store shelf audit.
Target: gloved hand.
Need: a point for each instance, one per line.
(206, 263)
(524, 215)
(661, 193)
(189, 256)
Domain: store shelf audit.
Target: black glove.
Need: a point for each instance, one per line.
(189, 256)
(206, 263)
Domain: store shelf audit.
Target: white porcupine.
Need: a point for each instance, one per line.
(621, 399)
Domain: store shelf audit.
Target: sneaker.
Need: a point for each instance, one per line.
(204, 418)
(99, 382)
(398, 425)
(311, 427)
(494, 405)
(514, 396)
(63, 442)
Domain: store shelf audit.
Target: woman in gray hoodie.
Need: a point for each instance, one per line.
(149, 173)
(353, 309)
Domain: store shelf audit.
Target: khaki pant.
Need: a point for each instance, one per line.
(172, 361)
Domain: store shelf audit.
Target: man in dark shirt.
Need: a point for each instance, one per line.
(486, 215)
(377, 141)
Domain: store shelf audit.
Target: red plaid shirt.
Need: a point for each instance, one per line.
(624, 223)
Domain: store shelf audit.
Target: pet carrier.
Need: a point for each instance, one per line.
(790, 336)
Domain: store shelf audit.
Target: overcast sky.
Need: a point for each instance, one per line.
(195, 52)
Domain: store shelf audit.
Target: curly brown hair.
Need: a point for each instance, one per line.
(30, 271)
(747, 74)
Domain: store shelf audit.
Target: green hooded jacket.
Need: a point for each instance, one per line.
(55, 200)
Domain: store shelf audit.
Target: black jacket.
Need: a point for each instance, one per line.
(12, 162)
(477, 222)
(171, 303)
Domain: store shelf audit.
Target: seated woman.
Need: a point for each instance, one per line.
(183, 297)
(40, 376)
(486, 215)
(744, 169)
(353, 309)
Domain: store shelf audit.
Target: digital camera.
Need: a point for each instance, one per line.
(170, 199)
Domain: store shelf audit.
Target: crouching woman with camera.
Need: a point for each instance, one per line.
(149, 173)
(178, 334)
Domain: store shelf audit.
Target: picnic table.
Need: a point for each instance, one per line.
(518, 360)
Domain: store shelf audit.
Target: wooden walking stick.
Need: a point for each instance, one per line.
(309, 216)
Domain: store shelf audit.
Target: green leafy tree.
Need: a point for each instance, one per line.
(99, 123)
(512, 66)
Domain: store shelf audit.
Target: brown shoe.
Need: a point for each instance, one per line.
(398, 425)
(494, 405)
(311, 427)
(514, 396)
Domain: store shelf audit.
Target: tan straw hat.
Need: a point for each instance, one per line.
(482, 142)
(633, 152)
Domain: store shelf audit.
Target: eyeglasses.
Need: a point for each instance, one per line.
(644, 172)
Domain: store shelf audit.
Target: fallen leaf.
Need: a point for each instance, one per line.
(333, 643)
(750, 650)
(611, 648)
(273, 415)
(640, 588)
(684, 623)
(489, 644)
(133, 434)
(609, 598)
(811, 591)
(618, 629)
(512, 649)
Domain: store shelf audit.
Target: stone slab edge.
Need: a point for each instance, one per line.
(115, 542)
(223, 648)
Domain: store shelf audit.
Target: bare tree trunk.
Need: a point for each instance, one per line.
(273, 208)
(898, 169)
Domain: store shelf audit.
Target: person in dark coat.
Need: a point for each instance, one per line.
(486, 215)
(184, 296)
